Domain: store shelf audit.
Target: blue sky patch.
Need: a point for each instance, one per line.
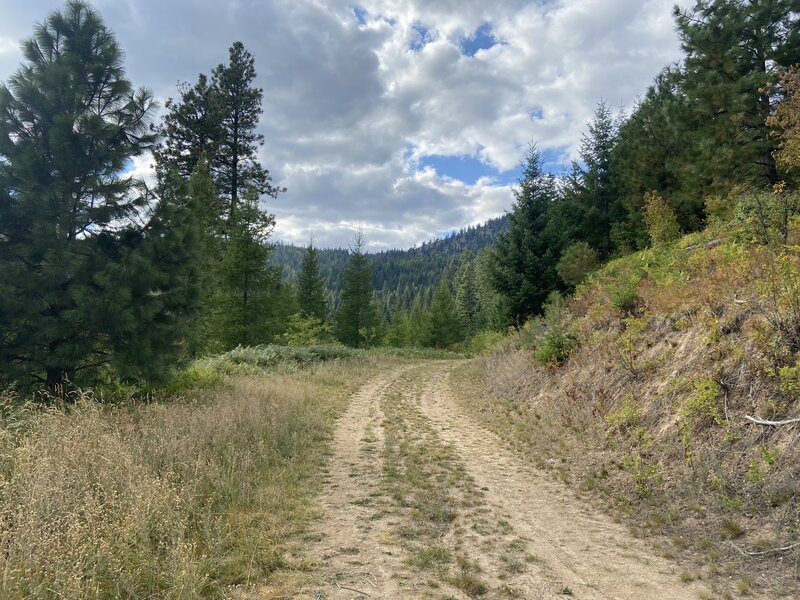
(423, 37)
(482, 39)
(467, 169)
(360, 14)
(537, 114)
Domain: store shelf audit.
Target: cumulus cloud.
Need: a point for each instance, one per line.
(359, 95)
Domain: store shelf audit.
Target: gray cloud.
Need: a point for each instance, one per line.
(351, 110)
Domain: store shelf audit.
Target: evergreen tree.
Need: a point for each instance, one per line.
(468, 305)
(192, 128)
(734, 49)
(592, 201)
(357, 320)
(651, 154)
(525, 258)
(311, 286)
(94, 270)
(243, 308)
(444, 327)
(240, 102)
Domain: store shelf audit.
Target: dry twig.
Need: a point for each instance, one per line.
(759, 421)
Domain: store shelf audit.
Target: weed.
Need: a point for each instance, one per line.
(730, 530)
(702, 405)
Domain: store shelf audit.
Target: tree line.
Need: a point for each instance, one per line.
(104, 277)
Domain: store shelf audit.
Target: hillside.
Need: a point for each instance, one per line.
(669, 389)
(399, 276)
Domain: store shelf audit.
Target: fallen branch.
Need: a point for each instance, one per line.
(344, 587)
(758, 421)
(765, 552)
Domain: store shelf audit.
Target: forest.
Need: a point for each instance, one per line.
(596, 394)
(108, 278)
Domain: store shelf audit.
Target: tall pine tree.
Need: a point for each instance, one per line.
(525, 257)
(93, 268)
(240, 102)
(734, 50)
(311, 286)
(357, 320)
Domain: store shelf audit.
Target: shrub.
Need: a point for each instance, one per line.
(662, 224)
(307, 330)
(484, 341)
(557, 342)
(576, 263)
(766, 217)
(624, 296)
(702, 405)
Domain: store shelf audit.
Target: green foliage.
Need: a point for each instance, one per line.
(445, 328)
(357, 320)
(728, 83)
(766, 217)
(790, 380)
(556, 342)
(662, 224)
(645, 474)
(624, 295)
(525, 257)
(628, 415)
(786, 120)
(311, 286)
(96, 274)
(216, 121)
(243, 302)
(485, 341)
(577, 261)
(468, 305)
(271, 355)
(703, 404)
(307, 331)
(590, 204)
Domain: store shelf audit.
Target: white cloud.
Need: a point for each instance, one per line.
(350, 108)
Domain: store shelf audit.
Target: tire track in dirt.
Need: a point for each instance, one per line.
(354, 563)
(596, 558)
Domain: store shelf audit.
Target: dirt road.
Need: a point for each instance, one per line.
(422, 502)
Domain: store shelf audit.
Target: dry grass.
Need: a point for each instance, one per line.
(648, 414)
(175, 500)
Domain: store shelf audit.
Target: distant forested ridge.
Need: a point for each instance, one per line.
(399, 277)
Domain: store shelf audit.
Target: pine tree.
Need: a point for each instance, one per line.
(88, 267)
(525, 259)
(652, 153)
(240, 102)
(734, 49)
(192, 128)
(592, 201)
(468, 305)
(444, 328)
(357, 320)
(243, 308)
(311, 286)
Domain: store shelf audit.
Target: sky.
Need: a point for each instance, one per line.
(406, 119)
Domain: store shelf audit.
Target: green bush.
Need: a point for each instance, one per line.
(662, 224)
(557, 342)
(624, 296)
(766, 217)
(576, 263)
(484, 341)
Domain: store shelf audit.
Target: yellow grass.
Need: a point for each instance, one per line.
(174, 500)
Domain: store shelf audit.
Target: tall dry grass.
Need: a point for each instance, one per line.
(182, 499)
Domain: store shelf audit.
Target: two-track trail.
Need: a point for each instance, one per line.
(423, 502)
